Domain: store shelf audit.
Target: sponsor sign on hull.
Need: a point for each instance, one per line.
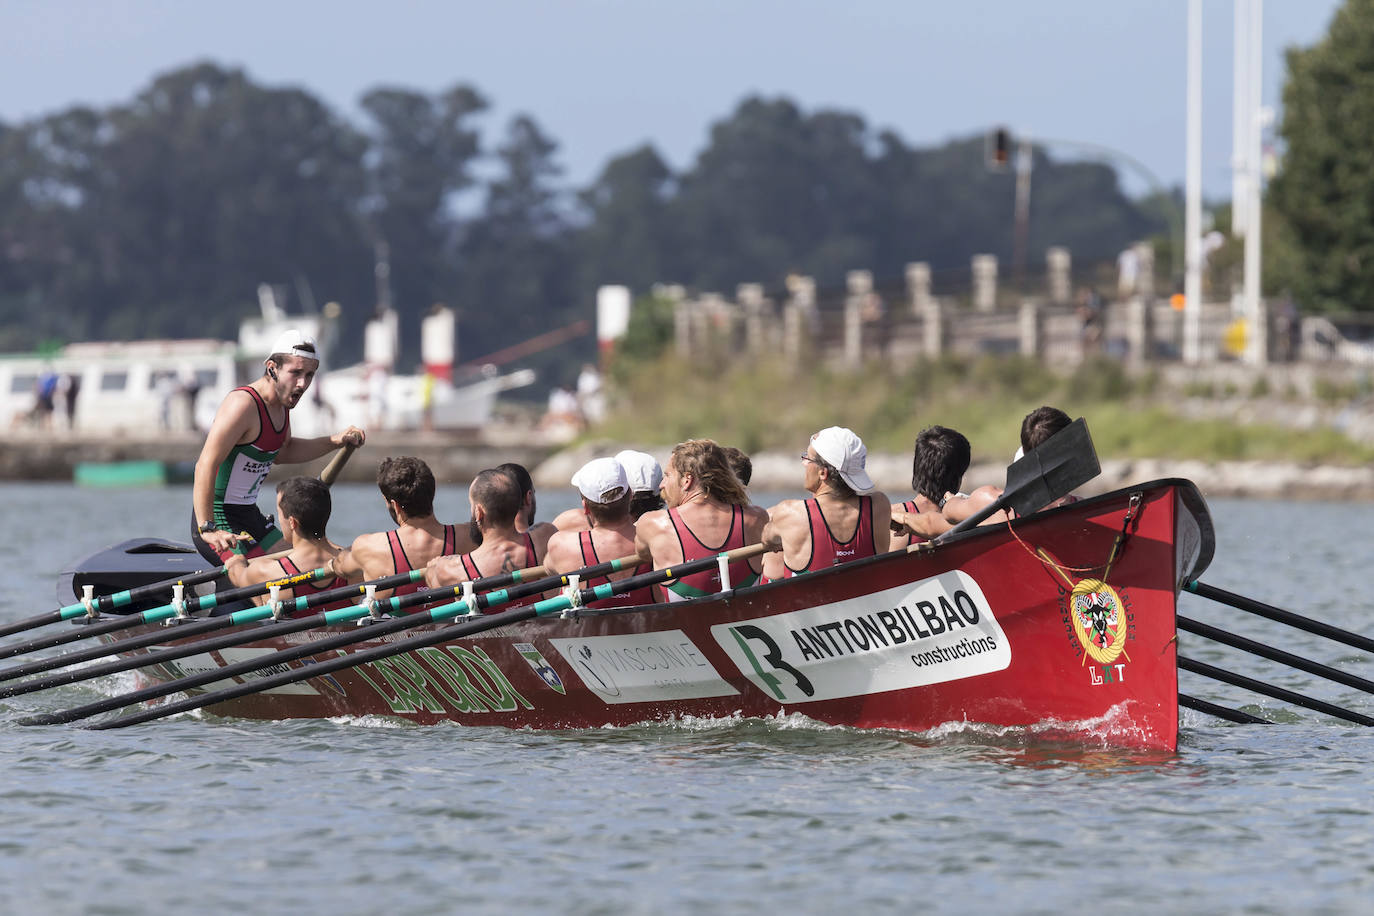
(939, 629)
(643, 668)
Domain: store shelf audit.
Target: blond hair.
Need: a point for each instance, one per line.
(707, 462)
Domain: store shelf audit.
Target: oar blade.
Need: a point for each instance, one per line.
(1051, 470)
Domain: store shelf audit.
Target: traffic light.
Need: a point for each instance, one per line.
(998, 148)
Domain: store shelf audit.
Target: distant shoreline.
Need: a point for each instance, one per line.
(455, 457)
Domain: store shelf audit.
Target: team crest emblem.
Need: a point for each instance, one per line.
(541, 666)
(1099, 620)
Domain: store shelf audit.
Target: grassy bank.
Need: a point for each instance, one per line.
(769, 406)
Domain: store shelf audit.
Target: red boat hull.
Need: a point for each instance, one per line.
(1063, 622)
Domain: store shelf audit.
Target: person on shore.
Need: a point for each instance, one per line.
(496, 503)
(939, 460)
(708, 512)
(304, 507)
(1036, 428)
(251, 432)
(846, 517)
(407, 487)
(605, 492)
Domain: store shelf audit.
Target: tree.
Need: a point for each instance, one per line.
(1325, 191)
(515, 278)
(423, 152)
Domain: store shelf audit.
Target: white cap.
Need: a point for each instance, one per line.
(601, 480)
(845, 452)
(641, 470)
(292, 342)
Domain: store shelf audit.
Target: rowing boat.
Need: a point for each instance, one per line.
(1060, 623)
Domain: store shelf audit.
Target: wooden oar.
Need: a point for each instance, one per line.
(517, 577)
(1270, 690)
(336, 464)
(1221, 712)
(1279, 615)
(190, 628)
(467, 628)
(1274, 655)
(109, 602)
(1047, 472)
(157, 614)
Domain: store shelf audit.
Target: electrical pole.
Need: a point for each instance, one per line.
(1192, 278)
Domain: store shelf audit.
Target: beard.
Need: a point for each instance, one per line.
(475, 532)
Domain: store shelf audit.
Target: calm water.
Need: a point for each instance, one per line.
(362, 817)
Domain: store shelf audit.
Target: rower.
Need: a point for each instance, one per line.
(1036, 427)
(525, 520)
(407, 487)
(645, 475)
(708, 512)
(251, 432)
(846, 517)
(304, 506)
(938, 463)
(605, 492)
(496, 502)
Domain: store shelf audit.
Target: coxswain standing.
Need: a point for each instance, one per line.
(251, 432)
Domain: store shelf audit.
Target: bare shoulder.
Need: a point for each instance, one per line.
(561, 555)
(571, 520)
(653, 523)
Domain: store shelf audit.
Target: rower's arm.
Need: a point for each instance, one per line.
(299, 451)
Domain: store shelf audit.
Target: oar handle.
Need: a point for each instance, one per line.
(336, 464)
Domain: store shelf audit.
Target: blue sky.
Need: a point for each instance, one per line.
(603, 76)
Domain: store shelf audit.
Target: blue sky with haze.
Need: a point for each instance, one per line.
(604, 76)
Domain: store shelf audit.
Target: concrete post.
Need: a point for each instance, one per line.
(1140, 329)
(682, 321)
(918, 287)
(1059, 267)
(860, 285)
(1031, 328)
(751, 300)
(799, 317)
(984, 282)
(1145, 278)
(936, 330)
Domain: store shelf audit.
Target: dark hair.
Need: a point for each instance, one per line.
(645, 501)
(612, 511)
(523, 482)
(1040, 424)
(739, 463)
(938, 462)
(496, 491)
(409, 483)
(306, 499)
(518, 473)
